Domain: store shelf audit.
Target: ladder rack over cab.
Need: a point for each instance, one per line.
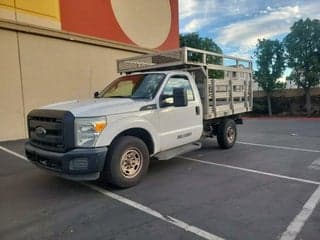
(224, 82)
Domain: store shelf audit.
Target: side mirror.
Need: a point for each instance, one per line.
(96, 94)
(166, 100)
(180, 98)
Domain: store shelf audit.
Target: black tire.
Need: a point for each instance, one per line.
(227, 133)
(115, 173)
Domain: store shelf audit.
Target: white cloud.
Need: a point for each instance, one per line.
(240, 37)
(282, 79)
(190, 9)
(195, 25)
(241, 54)
(245, 34)
(187, 8)
(196, 14)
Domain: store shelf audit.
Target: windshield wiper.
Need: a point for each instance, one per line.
(118, 97)
(138, 97)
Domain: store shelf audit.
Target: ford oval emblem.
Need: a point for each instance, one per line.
(40, 131)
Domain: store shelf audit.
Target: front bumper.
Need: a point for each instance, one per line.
(76, 164)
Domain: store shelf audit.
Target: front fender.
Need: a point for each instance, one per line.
(116, 126)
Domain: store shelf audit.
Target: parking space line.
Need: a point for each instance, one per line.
(14, 153)
(280, 147)
(188, 228)
(298, 222)
(174, 221)
(251, 170)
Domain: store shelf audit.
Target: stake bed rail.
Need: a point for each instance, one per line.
(224, 82)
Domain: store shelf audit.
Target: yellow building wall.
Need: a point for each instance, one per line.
(45, 13)
(8, 3)
(47, 8)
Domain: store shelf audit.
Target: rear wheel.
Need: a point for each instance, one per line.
(127, 162)
(227, 133)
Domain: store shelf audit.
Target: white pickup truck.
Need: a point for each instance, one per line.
(166, 104)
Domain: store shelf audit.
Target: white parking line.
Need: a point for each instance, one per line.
(291, 232)
(189, 228)
(298, 222)
(280, 147)
(14, 153)
(251, 171)
(174, 221)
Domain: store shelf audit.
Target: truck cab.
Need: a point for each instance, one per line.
(144, 114)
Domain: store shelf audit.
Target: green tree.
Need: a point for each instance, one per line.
(271, 64)
(303, 55)
(193, 40)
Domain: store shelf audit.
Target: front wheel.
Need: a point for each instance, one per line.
(227, 133)
(127, 162)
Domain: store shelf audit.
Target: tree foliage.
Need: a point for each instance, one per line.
(303, 55)
(271, 64)
(193, 40)
(303, 48)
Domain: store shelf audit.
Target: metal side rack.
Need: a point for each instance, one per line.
(224, 82)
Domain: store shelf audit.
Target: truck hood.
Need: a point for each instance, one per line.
(99, 106)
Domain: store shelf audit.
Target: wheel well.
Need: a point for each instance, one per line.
(139, 133)
(213, 124)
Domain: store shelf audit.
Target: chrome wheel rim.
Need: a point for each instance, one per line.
(131, 163)
(231, 134)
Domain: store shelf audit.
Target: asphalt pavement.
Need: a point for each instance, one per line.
(266, 187)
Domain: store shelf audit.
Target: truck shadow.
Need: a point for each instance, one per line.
(165, 168)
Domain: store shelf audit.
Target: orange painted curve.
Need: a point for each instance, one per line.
(96, 18)
(172, 40)
(93, 18)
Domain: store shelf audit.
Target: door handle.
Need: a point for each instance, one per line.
(197, 110)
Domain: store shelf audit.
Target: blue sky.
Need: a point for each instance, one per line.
(236, 25)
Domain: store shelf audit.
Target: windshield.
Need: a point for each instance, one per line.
(134, 86)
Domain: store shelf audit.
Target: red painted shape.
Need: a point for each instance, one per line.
(93, 18)
(96, 18)
(172, 40)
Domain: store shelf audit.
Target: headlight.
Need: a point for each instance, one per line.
(87, 130)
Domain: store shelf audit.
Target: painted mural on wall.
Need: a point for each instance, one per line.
(145, 23)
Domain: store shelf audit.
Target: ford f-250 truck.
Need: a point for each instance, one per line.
(166, 104)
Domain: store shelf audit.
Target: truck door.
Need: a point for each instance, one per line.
(178, 125)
